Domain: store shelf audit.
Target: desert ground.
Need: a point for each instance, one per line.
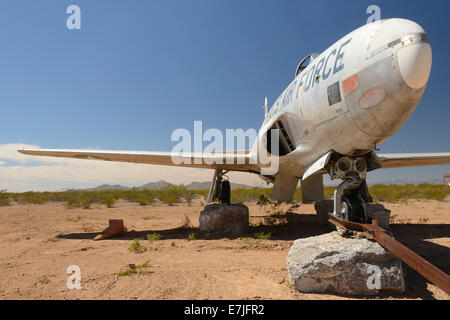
(39, 242)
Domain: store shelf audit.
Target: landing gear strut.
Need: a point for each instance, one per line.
(220, 189)
(350, 199)
(351, 196)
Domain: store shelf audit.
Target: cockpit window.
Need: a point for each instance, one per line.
(302, 65)
(305, 62)
(315, 55)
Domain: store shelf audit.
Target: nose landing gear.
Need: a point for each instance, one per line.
(351, 196)
(350, 199)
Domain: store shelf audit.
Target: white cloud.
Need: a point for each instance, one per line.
(9, 152)
(47, 173)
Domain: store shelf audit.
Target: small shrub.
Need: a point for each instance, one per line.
(263, 200)
(170, 199)
(153, 237)
(141, 200)
(4, 198)
(128, 272)
(80, 201)
(86, 203)
(133, 269)
(143, 197)
(137, 247)
(192, 236)
(263, 235)
(109, 202)
(252, 194)
(5, 202)
(189, 196)
(276, 219)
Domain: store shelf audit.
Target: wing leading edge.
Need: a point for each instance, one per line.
(398, 160)
(236, 161)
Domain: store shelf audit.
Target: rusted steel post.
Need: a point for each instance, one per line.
(115, 228)
(422, 266)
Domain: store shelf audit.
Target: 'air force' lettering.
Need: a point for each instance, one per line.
(322, 69)
(310, 77)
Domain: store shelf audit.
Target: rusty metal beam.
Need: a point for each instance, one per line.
(422, 266)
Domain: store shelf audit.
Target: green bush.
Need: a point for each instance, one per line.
(153, 237)
(175, 194)
(144, 197)
(81, 200)
(4, 198)
(263, 235)
(252, 194)
(395, 192)
(192, 236)
(109, 202)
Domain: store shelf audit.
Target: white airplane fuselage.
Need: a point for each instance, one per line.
(353, 96)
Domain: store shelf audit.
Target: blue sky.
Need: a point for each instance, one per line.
(137, 70)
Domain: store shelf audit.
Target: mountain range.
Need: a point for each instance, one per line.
(196, 185)
(162, 184)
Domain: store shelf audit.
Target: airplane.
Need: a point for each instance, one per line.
(341, 105)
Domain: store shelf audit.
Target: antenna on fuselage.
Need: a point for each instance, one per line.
(265, 108)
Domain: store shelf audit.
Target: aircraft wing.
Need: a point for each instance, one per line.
(397, 160)
(233, 160)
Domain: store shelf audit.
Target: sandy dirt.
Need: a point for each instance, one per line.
(39, 242)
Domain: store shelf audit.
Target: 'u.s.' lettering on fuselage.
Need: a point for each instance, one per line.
(322, 69)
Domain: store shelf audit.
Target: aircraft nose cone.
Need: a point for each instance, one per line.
(389, 88)
(410, 42)
(414, 62)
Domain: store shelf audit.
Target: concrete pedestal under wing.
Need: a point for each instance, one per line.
(224, 218)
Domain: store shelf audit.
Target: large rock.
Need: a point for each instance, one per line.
(224, 218)
(349, 266)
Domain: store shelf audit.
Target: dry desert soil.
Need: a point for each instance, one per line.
(39, 242)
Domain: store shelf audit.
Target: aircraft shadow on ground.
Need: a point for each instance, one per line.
(297, 226)
(413, 236)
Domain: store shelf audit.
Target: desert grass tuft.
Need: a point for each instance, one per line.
(133, 269)
(263, 235)
(153, 237)
(137, 247)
